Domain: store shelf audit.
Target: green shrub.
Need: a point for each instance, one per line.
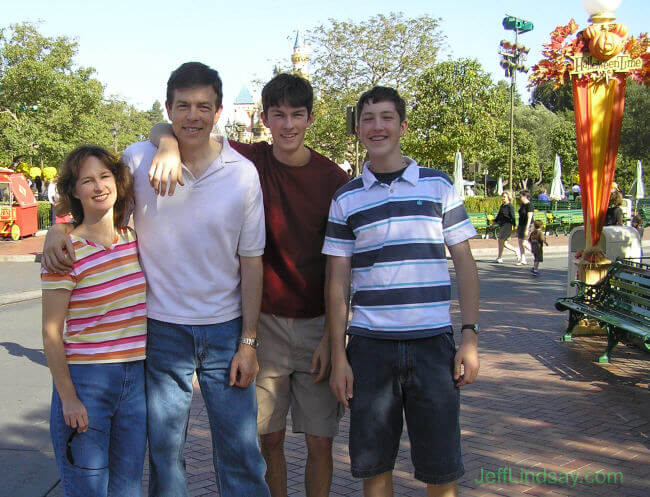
(44, 213)
(482, 204)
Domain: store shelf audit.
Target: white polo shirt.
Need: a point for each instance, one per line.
(190, 243)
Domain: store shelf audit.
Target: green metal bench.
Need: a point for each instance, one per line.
(553, 224)
(540, 216)
(620, 303)
(480, 222)
(568, 219)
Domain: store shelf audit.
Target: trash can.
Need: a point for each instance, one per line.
(615, 241)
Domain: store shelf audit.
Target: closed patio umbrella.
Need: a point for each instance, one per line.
(557, 188)
(458, 175)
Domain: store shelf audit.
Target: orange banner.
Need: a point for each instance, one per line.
(598, 116)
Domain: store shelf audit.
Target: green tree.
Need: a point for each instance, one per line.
(556, 100)
(155, 114)
(48, 106)
(456, 107)
(635, 129)
(539, 122)
(44, 99)
(385, 49)
(350, 57)
(563, 143)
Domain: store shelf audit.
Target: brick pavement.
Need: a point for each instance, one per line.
(539, 403)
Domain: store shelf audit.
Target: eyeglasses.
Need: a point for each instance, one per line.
(68, 445)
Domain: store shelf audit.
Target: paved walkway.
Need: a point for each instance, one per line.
(539, 406)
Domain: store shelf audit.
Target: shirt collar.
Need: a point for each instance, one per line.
(411, 174)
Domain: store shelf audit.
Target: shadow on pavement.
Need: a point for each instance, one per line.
(35, 355)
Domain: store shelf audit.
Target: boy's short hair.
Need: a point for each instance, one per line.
(637, 219)
(288, 89)
(537, 224)
(69, 175)
(382, 94)
(525, 193)
(191, 75)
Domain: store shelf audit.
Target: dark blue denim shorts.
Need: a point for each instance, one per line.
(394, 379)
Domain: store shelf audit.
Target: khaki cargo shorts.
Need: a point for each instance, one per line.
(284, 381)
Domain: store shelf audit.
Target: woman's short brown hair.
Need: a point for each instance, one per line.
(69, 174)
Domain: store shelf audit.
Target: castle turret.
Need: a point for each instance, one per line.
(300, 56)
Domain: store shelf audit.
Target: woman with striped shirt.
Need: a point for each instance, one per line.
(94, 334)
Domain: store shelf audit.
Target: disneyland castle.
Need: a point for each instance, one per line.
(246, 124)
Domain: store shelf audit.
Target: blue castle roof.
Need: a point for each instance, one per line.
(244, 97)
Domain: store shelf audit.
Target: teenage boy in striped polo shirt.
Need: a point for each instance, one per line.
(386, 234)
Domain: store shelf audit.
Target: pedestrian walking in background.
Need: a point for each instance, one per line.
(614, 216)
(525, 220)
(537, 240)
(505, 221)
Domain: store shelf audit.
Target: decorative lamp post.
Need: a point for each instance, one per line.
(596, 62)
(513, 54)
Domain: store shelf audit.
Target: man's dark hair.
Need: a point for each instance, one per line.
(288, 89)
(525, 193)
(382, 94)
(191, 75)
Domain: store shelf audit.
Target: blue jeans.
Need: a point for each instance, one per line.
(394, 379)
(174, 353)
(107, 460)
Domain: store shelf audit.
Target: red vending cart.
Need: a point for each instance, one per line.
(18, 209)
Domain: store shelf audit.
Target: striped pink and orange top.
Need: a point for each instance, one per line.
(107, 314)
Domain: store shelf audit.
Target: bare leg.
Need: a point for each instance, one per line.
(500, 244)
(511, 248)
(272, 445)
(318, 471)
(447, 490)
(379, 486)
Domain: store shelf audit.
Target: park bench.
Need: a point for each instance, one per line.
(553, 224)
(620, 303)
(540, 216)
(480, 222)
(493, 228)
(568, 219)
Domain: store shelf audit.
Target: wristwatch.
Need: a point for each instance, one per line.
(473, 327)
(253, 342)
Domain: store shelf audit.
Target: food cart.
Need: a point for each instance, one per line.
(18, 208)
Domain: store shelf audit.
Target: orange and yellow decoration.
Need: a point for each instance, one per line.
(596, 61)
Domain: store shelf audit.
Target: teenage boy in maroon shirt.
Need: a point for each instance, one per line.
(294, 351)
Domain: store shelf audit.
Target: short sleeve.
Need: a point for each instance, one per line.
(55, 281)
(456, 226)
(252, 237)
(339, 237)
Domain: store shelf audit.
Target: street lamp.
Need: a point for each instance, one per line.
(513, 54)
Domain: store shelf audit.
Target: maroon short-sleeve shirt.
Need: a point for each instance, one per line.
(296, 206)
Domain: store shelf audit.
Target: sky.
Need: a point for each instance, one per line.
(134, 45)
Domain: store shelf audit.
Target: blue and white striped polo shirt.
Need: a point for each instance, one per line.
(396, 236)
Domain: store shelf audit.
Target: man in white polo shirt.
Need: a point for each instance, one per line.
(201, 254)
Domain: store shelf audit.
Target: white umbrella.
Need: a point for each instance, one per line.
(638, 191)
(557, 188)
(459, 184)
(500, 186)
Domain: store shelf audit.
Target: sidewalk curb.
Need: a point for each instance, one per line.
(21, 258)
(13, 298)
